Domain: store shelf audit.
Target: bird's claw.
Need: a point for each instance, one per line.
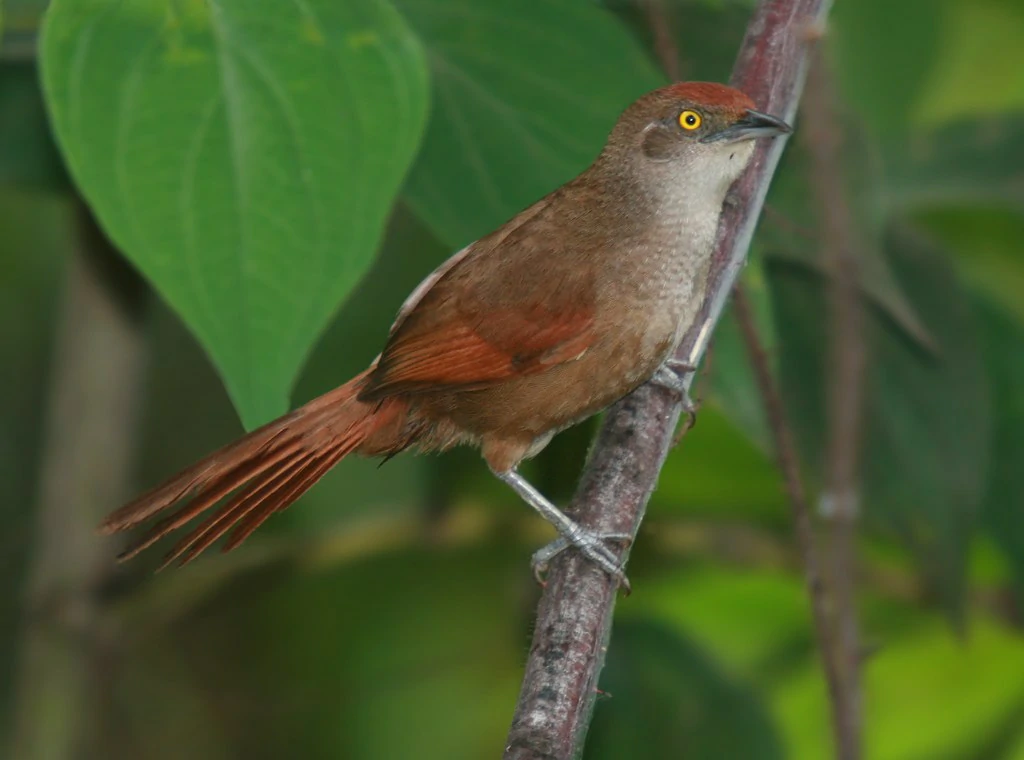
(670, 376)
(593, 546)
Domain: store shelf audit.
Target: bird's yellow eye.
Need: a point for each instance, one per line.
(690, 120)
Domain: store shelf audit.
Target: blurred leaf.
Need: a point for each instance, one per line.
(730, 378)
(699, 476)
(707, 33)
(28, 156)
(1003, 344)
(756, 621)
(244, 155)
(971, 163)
(189, 725)
(669, 699)
(374, 659)
(927, 417)
(979, 71)
(974, 687)
(520, 106)
(987, 244)
(791, 226)
(1017, 751)
(884, 53)
(751, 618)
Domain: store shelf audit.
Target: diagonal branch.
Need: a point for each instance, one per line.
(575, 611)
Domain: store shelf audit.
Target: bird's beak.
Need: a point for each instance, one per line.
(754, 124)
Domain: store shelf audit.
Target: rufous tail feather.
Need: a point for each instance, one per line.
(272, 466)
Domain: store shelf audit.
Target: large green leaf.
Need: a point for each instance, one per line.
(244, 154)
(187, 414)
(927, 414)
(520, 104)
(670, 699)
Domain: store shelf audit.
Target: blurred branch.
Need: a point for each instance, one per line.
(575, 611)
(96, 378)
(665, 47)
(785, 453)
(18, 44)
(845, 381)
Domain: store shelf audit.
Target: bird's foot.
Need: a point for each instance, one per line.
(670, 375)
(592, 545)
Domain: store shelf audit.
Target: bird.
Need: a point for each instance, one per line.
(569, 306)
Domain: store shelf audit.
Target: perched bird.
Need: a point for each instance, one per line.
(564, 309)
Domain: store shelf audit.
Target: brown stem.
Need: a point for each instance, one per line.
(845, 380)
(575, 611)
(97, 373)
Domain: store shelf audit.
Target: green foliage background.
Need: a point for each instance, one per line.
(283, 174)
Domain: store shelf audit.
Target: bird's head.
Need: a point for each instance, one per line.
(701, 131)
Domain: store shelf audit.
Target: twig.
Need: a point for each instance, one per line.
(97, 374)
(575, 611)
(845, 380)
(786, 456)
(665, 47)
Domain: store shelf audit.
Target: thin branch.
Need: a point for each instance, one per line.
(848, 355)
(665, 47)
(97, 375)
(575, 611)
(829, 643)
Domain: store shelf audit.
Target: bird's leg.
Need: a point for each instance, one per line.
(591, 544)
(670, 375)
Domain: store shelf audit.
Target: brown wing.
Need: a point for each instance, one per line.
(512, 305)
